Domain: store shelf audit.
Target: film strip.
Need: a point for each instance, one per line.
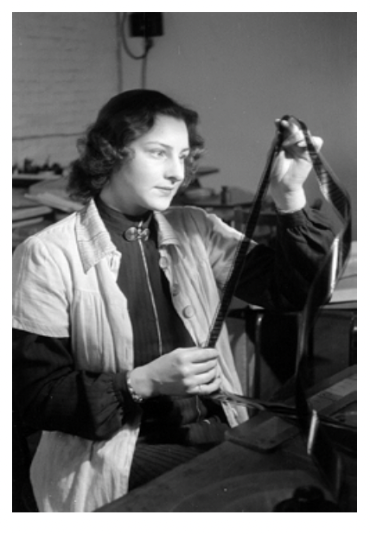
(319, 445)
(243, 248)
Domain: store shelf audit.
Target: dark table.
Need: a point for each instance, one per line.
(259, 465)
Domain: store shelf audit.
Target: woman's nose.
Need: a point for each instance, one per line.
(175, 169)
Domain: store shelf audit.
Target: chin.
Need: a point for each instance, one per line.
(160, 205)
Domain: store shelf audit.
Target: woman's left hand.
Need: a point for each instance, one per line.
(291, 167)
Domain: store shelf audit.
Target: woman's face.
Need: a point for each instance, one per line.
(151, 177)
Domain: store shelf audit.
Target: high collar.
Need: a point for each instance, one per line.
(119, 222)
(166, 232)
(93, 239)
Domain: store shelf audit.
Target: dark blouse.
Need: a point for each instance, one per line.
(143, 281)
(52, 395)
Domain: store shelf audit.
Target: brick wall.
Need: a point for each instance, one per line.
(64, 69)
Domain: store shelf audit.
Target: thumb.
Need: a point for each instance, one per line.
(316, 141)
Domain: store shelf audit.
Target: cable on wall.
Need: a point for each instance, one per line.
(146, 25)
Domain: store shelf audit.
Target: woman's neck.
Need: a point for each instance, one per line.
(125, 210)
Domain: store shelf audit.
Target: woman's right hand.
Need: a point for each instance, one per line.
(184, 371)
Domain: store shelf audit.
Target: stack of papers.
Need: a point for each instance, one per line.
(25, 211)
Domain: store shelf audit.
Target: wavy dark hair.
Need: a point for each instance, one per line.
(122, 120)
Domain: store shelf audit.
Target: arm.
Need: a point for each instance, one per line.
(52, 395)
(282, 278)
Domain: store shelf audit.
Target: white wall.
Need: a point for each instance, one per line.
(243, 70)
(239, 70)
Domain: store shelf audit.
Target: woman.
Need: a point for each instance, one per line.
(113, 305)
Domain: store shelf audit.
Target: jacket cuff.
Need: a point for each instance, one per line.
(296, 218)
(121, 391)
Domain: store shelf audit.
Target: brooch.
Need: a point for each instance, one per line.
(133, 233)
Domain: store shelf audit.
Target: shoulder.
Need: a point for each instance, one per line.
(181, 223)
(57, 236)
(60, 229)
(187, 216)
(192, 226)
(192, 217)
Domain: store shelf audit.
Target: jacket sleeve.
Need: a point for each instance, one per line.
(280, 277)
(51, 395)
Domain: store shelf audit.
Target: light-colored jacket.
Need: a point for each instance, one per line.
(64, 282)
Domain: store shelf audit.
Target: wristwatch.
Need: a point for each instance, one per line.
(135, 396)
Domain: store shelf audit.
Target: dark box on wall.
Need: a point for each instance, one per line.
(146, 24)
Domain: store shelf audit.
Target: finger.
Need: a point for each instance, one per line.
(300, 151)
(294, 136)
(204, 367)
(317, 142)
(207, 389)
(204, 355)
(290, 130)
(207, 377)
(198, 383)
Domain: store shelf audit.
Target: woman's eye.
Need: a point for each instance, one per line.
(158, 153)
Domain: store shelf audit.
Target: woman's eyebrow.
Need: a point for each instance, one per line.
(165, 145)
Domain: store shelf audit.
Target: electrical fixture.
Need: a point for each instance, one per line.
(146, 24)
